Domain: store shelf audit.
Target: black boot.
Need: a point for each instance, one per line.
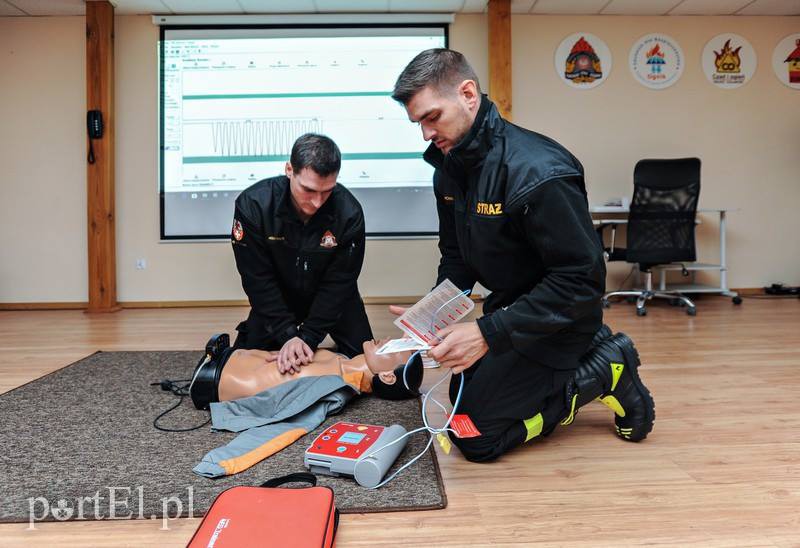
(602, 334)
(609, 373)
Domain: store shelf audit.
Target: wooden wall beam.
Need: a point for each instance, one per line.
(100, 174)
(500, 55)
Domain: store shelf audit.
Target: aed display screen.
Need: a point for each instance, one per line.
(352, 438)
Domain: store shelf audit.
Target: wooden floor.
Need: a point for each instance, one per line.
(721, 468)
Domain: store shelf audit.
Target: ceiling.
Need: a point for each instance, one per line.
(535, 7)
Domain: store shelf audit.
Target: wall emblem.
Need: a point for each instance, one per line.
(729, 61)
(583, 61)
(656, 61)
(786, 61)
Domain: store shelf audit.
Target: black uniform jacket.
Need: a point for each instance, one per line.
(513, 215)
(294, 273)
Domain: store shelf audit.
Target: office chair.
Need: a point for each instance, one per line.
(661, 225)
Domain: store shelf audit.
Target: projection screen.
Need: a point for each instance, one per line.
(233, 100)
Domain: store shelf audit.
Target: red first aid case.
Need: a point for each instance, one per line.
(269, 516)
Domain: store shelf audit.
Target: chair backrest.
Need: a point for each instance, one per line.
(663, 210)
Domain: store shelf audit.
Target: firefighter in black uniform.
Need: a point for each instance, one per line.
(513, 215)
(298, 241)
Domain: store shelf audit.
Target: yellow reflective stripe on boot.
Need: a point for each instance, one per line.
(613, 403)
(616, 373)
(534, 426)
(571, 416)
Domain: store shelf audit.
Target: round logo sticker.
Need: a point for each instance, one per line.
(729, 61)
(656, 61)
(786, 61)
(583, 61)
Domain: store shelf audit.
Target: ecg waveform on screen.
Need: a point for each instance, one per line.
(260, 137)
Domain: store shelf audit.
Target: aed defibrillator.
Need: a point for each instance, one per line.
(362, 451)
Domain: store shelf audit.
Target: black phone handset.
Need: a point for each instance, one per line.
(94, 126)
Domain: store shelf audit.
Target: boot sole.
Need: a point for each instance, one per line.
(631, 355)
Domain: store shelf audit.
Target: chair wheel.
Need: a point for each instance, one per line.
(605, 303)
(692, 311)
(737, 300)
(641, 312)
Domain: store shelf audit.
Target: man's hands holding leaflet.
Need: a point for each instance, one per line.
(459, 347)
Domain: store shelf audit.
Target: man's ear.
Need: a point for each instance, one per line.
(469, 92)
(288, 170)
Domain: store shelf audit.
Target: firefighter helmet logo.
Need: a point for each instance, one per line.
(583, 61)
(238, 231)
(328, 240)
(583, 65)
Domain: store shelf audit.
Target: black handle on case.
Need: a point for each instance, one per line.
(302, 477)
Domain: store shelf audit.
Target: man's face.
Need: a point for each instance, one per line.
(445, 118)
(309, 190)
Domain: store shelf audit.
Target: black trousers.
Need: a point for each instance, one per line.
(503, 394)
(349, 333)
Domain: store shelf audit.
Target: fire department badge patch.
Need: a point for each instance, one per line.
(328, 240)
(238, 231)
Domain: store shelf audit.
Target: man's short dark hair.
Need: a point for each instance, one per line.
(318, 152)
(441, 69)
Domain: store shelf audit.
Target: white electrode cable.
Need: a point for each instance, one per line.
(425, 397)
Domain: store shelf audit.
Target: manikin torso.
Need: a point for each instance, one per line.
(249, 372)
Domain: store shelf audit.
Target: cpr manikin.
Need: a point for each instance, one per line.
(270, 410)
(226, 374)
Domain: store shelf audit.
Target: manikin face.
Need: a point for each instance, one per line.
(445, 116)
(309, 190)
(384, 363)
(388, 377)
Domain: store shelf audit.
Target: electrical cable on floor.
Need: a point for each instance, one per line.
(180, 390)
(633, 268)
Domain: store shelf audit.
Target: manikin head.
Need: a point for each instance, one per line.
(312, 171)
(440, 92)
(387, 369)
(382, 363)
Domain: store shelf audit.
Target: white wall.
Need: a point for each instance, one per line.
(43, 254)
(746, 138)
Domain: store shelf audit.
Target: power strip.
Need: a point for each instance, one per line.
(780, 289)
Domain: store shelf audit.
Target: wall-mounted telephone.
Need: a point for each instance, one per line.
(94, 126)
